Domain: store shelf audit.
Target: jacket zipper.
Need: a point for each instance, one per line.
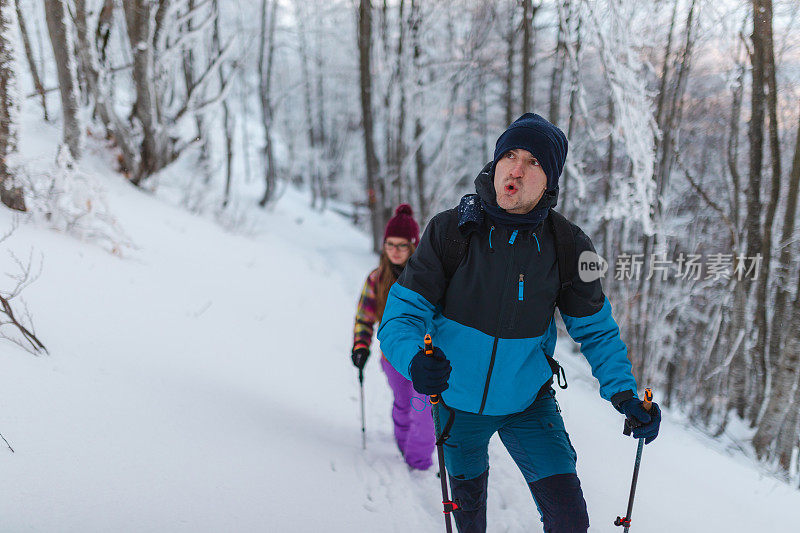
(499, 324)
(488, 377)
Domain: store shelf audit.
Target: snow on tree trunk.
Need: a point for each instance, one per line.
(633, 195)
(786, 369)
(10, 193)
(365, 52)
(37, 81)
(138, 16)
(96, 76)
(265, 68)
(63, 50)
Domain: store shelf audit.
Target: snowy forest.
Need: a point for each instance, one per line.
(683, 118)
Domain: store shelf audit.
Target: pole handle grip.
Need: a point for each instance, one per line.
(648, 399)
(429, 352)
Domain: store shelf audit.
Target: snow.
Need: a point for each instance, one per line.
(201, 382)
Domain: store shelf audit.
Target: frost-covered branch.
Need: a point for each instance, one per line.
(190, 104)
(22, 330)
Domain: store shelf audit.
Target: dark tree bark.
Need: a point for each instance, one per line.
(664, 78)
(227, 118)
(63, 51)
(265, 62)
(559, 63)
(420, 165)
(762, 287)
(787, 356)
(96, 76)
(26, 42)
(740, 371)
(311, 131)
(510, 39)
(11, 195)
(189, 79)
(155, 151)
(364, 55)
(574, 87)
(103, 32)
(528, 12)
(400, 148)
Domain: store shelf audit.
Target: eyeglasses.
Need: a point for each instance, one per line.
(402, 247)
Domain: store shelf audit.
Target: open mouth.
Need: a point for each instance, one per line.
(511, 188)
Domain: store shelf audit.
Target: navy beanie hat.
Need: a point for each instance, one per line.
(545, 141)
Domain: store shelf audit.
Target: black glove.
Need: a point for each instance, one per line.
(359, 356)
(644, 424)
(429, 373)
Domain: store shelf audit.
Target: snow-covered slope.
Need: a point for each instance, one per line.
(202, 382)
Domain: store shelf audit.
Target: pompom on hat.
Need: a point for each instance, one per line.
(403, 225)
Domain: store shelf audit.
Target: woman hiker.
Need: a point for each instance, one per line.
(411, 412)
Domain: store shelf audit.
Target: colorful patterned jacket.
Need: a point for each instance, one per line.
(366, 312)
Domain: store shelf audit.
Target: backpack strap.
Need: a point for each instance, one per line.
(567, 269)
(565, 250)
(455, 246)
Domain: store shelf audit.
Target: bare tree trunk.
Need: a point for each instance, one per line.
(326, 137)
(574, 87)
(674, 112)
(364, 53)
(559, 63)
(140, 30)
(662, 91)
(26, 42)
(786, 370)
(419, 155)
(96, 79)
(741, 385)
(63, 50)
(788, 439)
(103, 32)
(11, 195)
(399, 144)
(190, 79)
(528, 12)
(610, 154)
(313, 136)
(509, 85)
(265, 56)
(227, 118)
(762, 288)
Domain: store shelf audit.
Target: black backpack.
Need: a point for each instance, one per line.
(456, 246)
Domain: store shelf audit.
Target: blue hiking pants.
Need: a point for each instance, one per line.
(538, 443)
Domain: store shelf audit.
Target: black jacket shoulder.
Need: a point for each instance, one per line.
(585, 296)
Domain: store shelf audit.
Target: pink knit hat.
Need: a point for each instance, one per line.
(403, 225)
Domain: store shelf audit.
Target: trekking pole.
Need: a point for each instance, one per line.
(441, 436)
(363, 423)
(626, 520)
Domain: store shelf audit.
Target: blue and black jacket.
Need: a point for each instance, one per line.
(494, 317)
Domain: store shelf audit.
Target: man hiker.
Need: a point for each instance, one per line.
(485, 281)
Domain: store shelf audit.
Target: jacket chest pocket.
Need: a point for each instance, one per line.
(530, 298)
(516, 300)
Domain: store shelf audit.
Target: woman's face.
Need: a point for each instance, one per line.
(397, 249)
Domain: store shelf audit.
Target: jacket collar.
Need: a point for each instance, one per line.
(472, 208)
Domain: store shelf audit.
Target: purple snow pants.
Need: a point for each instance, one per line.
(413, 424)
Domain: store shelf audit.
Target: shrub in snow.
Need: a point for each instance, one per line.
(73, 202)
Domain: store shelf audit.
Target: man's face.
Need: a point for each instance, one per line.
(519, 181)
